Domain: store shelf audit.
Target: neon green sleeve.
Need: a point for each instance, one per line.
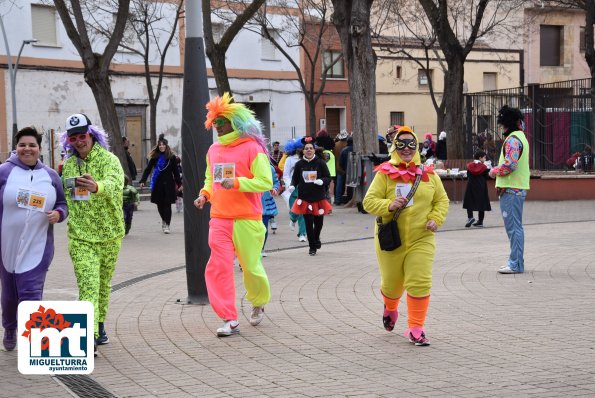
(207, 188)
(262, 180)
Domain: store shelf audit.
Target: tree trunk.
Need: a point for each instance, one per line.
(453, 119)
(153, 121)
(311, 115)
(102, 91)
(217, 58)
(440, 116)
(352, 20)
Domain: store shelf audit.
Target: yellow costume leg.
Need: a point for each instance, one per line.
(248, 238)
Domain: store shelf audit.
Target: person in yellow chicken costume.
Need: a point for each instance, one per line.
(408, 267)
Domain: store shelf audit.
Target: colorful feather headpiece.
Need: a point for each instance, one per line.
(241, 118)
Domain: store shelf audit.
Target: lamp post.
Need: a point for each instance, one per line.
(195, 144)
(13, 84)
(12, 74)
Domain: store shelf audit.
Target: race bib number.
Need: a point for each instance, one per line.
(222, 171)
(31, 200)
(79, 193)
(403, 190)
(309, 176)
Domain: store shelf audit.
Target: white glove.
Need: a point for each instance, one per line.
(291, 189)
(318, 182)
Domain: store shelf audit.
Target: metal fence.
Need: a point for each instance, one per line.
(558, 119)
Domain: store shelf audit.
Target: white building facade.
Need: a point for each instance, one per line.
(50, 84)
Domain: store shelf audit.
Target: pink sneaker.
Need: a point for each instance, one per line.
(419, 341)
(389, 318)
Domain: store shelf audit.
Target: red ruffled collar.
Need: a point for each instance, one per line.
(404, 172)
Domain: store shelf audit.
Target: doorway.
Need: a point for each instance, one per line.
(335, 120)
(262, 112)
(134, 135)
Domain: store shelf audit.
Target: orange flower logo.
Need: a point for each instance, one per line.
(43, 319)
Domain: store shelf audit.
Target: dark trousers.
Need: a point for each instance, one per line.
(27, 286)
(313, 228)
(128, 213)
(164, 210)
(339, 188)
(265, 221)
(480, 214)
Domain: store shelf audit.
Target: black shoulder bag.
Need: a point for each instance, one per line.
(388, 234)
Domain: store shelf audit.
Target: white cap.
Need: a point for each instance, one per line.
(77, 124)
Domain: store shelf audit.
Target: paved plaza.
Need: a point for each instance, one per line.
(492, 335)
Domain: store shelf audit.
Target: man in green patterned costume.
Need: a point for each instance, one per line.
(93, 180)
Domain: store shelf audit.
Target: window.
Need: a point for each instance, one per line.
(397, 118)
(422, 76)
(43, 19)
(269, 51)
(551, 41)
(490, 81)
(582, 41)
(398, 72)
(338, 69)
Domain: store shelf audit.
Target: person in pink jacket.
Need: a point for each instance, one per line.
(237, 173)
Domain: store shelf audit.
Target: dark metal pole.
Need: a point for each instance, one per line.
(196, 141)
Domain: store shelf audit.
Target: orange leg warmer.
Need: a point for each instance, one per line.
(417, 309)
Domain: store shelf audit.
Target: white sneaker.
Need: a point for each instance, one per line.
(292, 225)
(508, 270)
(229, 328)
(256, 316)
(166, 229)
(302, 238)
(264, 254)
(273, 224)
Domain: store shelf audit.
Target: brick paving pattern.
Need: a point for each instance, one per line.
(524, 335)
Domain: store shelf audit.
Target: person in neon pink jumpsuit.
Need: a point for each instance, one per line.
(237, 173)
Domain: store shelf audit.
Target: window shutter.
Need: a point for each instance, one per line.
(43, 19)
(269, 51)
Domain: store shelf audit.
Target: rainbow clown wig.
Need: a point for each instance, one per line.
(242, 119)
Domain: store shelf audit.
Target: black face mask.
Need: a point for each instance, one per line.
(401, 143)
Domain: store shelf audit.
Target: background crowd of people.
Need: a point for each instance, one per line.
(242, 179)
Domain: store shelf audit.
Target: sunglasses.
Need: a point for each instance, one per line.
(219, 122)
(77, 137)
(401, 144)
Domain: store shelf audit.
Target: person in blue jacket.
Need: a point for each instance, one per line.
(269, 207)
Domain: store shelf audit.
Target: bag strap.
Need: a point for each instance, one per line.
(409, 196)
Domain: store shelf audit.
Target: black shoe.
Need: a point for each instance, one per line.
(478, 224)
(318, 244)
(10, 339)
(470, 221)
(102, 339)
(312, 252)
